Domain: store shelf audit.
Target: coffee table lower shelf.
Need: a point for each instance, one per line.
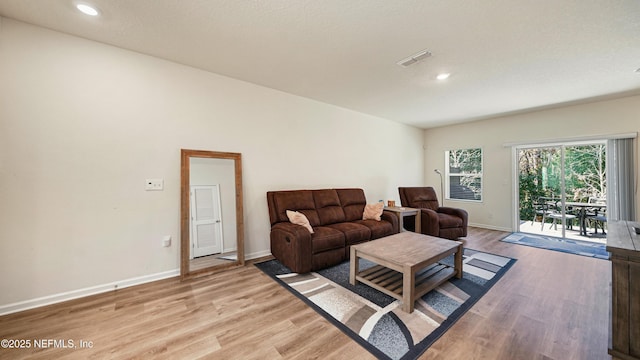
(390, 281)
(407, 265)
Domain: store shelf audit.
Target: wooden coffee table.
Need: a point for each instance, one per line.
(400, 259)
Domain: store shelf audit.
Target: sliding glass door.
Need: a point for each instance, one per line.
(555, 184)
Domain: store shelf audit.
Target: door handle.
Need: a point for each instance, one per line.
(217, 221)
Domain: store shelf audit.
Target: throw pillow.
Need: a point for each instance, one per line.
(373, 211)
(298, 218)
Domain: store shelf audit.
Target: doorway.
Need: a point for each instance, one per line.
(556, 185)
(206, 221)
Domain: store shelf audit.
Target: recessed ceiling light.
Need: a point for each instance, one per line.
(443, 76)
(86, 9)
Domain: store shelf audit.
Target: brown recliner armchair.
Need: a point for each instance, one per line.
(444, 222)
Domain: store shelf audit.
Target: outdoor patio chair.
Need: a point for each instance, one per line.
(597, 216)
(556, 214)
(540, 209)
(552, 209)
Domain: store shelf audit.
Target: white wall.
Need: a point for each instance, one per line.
(593, 119)
(83, 124)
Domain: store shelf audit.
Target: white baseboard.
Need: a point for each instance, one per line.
(75, 294)
(256, 255)
(491, 227)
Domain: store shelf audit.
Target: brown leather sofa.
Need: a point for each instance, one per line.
(444, 222)
(336, 218)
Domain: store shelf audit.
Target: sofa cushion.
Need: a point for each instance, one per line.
(295, 200)
(353, 233)
(373, 211)
(328, 206)
(325, 238)
(378, 228)
(353, 202)
(298, 218)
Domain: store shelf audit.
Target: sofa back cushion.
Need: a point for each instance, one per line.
(321, 207)
(419, 197)
(353, 202)
(296, 200)
(328, 206)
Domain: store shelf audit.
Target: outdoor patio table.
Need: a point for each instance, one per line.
(582, 210)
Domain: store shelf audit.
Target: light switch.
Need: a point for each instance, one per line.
(154, 184)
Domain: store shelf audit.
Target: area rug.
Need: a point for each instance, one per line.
(584, 248)
(375, 320)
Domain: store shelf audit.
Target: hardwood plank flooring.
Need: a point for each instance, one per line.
(550, 305)
(210, 260)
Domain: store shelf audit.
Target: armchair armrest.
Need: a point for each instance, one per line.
(429, 222)
(461, 213)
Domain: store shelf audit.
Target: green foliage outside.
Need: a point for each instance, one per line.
(465, 174)
(540, 174)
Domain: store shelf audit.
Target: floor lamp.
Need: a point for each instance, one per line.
(441, 187)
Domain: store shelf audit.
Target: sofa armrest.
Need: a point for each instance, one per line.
(291, 245)
(392, 218)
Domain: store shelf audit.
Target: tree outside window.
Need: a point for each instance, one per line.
(464, 174)
(539, 174)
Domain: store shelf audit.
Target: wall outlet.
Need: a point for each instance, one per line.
(166, 241)
(154, 184)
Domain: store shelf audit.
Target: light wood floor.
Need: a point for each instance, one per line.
(210, 260)
(550, 305)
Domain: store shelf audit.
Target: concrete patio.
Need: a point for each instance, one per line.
(574, 234)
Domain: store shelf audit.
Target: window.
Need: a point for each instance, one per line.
(464, 174)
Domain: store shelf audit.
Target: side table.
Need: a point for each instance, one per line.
(401, 212)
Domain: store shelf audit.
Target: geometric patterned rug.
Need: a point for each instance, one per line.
(584, 248)
(375, 320)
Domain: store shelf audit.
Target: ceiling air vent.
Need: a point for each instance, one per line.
(414, 58)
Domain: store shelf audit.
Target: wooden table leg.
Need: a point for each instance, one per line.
(408, 289)
(353, 266)
(400, 222)
(458, 261)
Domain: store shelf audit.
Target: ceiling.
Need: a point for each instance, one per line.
(504, 56)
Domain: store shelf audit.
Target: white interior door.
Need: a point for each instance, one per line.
(206, 221)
